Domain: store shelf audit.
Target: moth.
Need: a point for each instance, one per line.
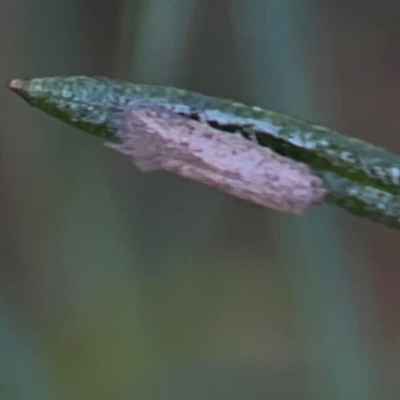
(158, 139)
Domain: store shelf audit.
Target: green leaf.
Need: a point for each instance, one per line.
(360, 177)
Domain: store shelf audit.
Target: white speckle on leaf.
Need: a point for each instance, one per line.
(395, 173)
(157, 139)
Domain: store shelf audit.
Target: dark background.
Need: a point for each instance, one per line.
(122, 285)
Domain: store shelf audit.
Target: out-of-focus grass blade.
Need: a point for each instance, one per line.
(23, 372)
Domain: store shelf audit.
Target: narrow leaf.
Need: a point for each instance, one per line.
(362, 178)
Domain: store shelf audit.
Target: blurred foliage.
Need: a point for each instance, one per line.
(118, 285)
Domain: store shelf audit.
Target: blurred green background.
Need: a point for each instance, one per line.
(121, 285)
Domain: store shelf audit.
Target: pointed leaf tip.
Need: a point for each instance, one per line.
(15, 84)
(21, 88)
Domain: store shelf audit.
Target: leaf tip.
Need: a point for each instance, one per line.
(15, 85)
(19, 87)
